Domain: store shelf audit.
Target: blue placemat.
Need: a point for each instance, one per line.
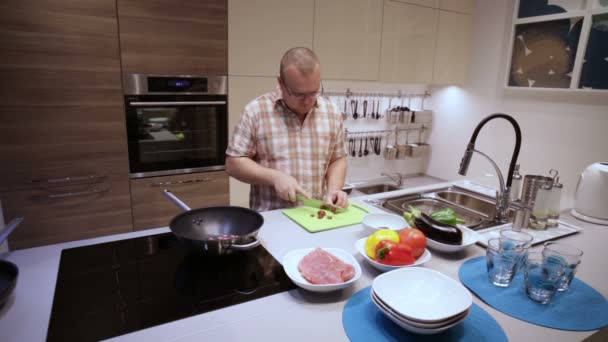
(364, 322)
(581, 308)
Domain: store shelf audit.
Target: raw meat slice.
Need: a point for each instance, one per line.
(321, 267)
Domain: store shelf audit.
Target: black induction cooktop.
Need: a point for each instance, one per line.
(115, 288)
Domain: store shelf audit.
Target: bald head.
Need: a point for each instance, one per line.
(303, 59)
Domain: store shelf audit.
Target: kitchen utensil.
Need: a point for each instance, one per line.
(420, 149)
(215, 230)
(591, 194)
(307, 218)
(377, 145)
(9, 272)
(403, 151)
(360, 147)
(373, 115)
(390, 151)
(315, 203)
(366, 151)
(365, 108)
(353, 107)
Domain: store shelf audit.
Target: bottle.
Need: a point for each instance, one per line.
(540, 208)
(515, 184)
(555, 197)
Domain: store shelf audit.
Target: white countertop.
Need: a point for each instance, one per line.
(296, 315)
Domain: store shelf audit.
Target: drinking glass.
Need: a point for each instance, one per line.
(542, 276)
(501, 260)
(517, 239)
(567, 254)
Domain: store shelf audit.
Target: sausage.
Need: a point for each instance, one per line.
(438, 231)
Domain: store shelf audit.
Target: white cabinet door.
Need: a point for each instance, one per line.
(260, 31)
(408, 43)
(462, 6)
(242, 90)
(347, 38)
(452, 54)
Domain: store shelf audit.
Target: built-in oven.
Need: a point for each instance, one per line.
(175, 124)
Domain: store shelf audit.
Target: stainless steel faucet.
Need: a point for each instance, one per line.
(398, 181)
(502, 196)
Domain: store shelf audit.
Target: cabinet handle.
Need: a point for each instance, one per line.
(68, 194)
(68, 179)
(182, 182)
(178, 103)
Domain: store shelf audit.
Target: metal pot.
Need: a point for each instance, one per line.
(216, 230)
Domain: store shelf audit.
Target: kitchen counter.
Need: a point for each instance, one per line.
(296, 315)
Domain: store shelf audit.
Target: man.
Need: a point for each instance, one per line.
(290, 141)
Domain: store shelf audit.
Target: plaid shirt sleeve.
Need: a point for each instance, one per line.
(243, 139)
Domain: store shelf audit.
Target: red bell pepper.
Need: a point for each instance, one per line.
(394, 254)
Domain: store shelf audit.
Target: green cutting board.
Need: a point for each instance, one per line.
(301, 215)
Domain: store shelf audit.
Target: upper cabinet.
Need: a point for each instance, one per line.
(453, 48)
(174, 36)
(261, 31)
(408, 43)
(347, 35)
(461, 6)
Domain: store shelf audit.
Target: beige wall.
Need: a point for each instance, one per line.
(564, 130)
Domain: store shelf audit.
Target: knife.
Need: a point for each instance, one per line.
(315, 203)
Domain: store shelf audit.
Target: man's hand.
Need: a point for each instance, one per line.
(287, 187)
(337, 197)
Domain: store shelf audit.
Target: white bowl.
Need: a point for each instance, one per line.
(360, 245)
(416, 327)
(422, 294)
(376, 221)
(469, 238)
(292, 259)
(450, 321)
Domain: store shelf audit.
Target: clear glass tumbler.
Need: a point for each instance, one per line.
(502, 260)
(542, 276)
(513, 238)
(567, 254)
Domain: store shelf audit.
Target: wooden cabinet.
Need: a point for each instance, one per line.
(174, 36)
(152, 209)
(453, 49)
(347, 37)
(408, 43)
(62, 137)
(261, 31)
(425, 3)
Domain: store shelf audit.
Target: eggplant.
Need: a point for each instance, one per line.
(438, 231)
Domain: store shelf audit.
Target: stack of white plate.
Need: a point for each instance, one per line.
(421, 300)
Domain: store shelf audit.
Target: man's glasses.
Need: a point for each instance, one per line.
(303, 95)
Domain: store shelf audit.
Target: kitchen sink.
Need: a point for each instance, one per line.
(476, 210)
(377, 188)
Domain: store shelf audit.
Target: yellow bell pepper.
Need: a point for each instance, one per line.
(374, 239)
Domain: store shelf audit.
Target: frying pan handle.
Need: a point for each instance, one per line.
(9, 228)
(245, 247)
(183, 206)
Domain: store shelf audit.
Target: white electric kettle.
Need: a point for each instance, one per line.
(591, 196)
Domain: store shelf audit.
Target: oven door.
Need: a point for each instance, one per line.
(172, 134)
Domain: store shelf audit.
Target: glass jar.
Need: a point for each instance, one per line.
(540, 208)
(554, 203)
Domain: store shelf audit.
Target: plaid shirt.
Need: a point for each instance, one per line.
(272, 135)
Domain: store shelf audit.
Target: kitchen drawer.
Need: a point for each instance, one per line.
(152, 209)
(67, 213)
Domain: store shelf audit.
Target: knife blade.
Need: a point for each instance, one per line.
(315, 203)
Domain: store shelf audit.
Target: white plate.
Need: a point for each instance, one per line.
(373, 222)
(292, 259)
(422, 294)
(360, 245)
(450, 321)
(469, 237)
(413, 328)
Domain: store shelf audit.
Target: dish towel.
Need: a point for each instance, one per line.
(364, 322)
(581, 308)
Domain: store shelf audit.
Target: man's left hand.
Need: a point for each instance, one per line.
(337, 197)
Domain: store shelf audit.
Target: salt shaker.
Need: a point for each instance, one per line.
(540, 210)
(555, 197)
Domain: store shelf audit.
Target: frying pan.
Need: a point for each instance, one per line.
(8, 271)
(215, 230)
